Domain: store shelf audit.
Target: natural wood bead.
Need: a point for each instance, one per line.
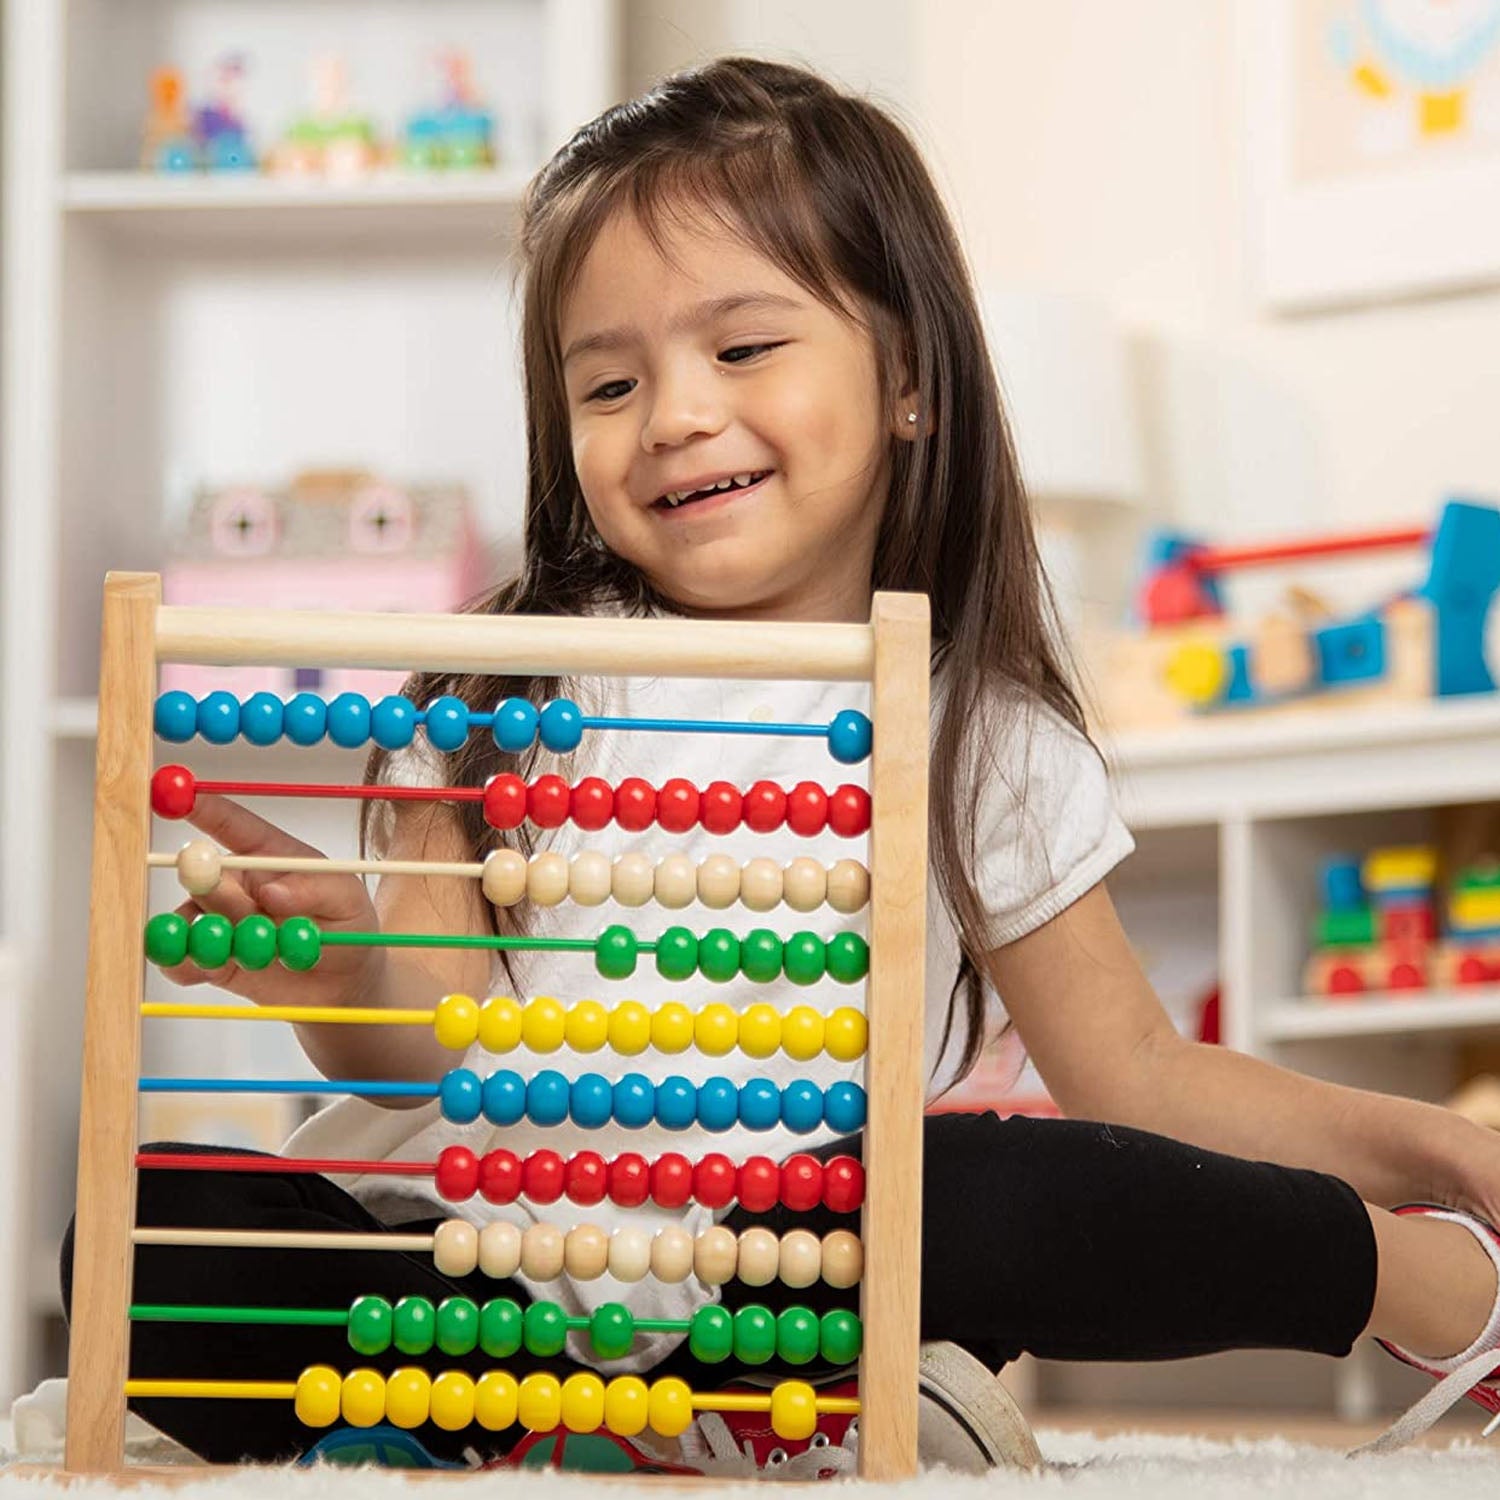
(500, 1249)
(848, 886)
(542, 1252)
(675, 882)
(801, 1261)
(588, 878)
(804, 884)
(200, 863)
(843, 1258)
(760, 884)
(718, 882)
(632, 879)
(715, 1256)
(586, 1252)
(672, 1254)
(455, 1247)
(547, 878)
(629, 1254)
(759, 1257)
(504, 878)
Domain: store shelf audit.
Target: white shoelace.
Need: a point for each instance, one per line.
(1447, 1393)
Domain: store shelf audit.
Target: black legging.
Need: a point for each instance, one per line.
(1059, 1238)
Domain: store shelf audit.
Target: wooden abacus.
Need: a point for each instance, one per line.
(891, 652)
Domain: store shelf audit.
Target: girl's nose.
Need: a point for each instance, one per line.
(683, 406)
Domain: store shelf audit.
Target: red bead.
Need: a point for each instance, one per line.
(592, 804)
(548, 801)
(807, 809)
(677, 805)
(585, 1178)
(764, 808)
(542, 1176)
(499, 1176)
(505, 800)
(457, 1174)
(719, 811)
(635, 804)
(849, 811)
(843, 1184)
(671, 1180)
(714, 1181)
(759, 1187)
(629, 1180)
(801, 1182)
(173, 792)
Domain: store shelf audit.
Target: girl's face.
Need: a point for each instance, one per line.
(727, 428)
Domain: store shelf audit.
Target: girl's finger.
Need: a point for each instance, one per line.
(243, 832)
(228, 899)
(329, 898)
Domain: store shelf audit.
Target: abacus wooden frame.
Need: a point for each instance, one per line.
(891, 652)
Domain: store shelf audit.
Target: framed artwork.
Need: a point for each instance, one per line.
(1373, 137)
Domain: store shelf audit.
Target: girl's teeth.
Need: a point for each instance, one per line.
(723, 484)
(742, 479)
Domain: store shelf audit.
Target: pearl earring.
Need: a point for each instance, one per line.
(911, 416)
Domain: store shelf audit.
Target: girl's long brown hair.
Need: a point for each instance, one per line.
(832, 190)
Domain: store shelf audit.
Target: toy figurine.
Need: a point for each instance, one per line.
(460, 132)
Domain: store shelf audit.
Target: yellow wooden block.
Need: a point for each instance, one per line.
(1442, 114)
(1475, 908)
(1400, 867)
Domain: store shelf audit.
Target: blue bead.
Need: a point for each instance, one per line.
(844, 1107)
(505, 1097)
(718, 1104)
(676, 1103)
(305, 719)
(349, 720)
(261, 717)
(592, 1101)
(547, 1098)
(849, 737)
(447, 723)
(219, 718)
(460, 1095)
(760, 1104)
(176, 717)
(561, 725)
(635, 1101)
(393, 723)
(801, 1106)
(515, 724)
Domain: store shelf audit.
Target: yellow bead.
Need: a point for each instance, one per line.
(760, 1030)
(544, 1024)
(455, 1023)
(495, 1400)
(716, 1028)
(629, 1028)
(794, 1410)
(539, 1402)
(848, 886)
(452, 1401)
(845, 1034)
(672, 1027)
(500, 1024)
(587, 1027)
(583, 1402)
(408, 1397)
(669, 1407)
(362, 1398)
(316, 1400)
(802, 1033)
(625, 1405)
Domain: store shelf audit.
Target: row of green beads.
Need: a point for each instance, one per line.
(211, 940)
(720, 956)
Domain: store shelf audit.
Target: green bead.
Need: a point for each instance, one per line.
(370, 1325)
(412, 1325)
(848, 957)
(545, 1326)
(615, 952)
(167, 939)
(719, 955)
(805, 958)
(754, 1334)
(210, 940)
(711, 1335)
(612, 1330)
(677, 954)
(299, 943)
(760, 956)
(457, 1325)
(797, 1335)
(254, 942)
(500, 1327)
(840, 1336)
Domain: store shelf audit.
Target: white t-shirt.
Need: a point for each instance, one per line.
(1046, 832)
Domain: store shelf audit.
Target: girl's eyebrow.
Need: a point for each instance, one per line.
(692, 317)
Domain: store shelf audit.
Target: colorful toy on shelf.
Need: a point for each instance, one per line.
(332, 139)
(212, 136)
(460, 132)
(1191, 660)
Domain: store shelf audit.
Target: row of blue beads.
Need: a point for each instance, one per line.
(591, 1100)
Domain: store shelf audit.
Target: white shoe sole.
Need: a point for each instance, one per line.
(966, 1418)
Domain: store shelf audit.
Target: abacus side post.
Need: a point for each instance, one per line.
(894, 1069)
(99, 1342)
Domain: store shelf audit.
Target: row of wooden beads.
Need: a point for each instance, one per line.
(543, 1252)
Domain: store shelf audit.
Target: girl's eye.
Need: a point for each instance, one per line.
(748, 351)
(611, 390)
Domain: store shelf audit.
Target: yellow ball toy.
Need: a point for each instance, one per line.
(500, 1024)
(539, 1402)
(629, 1028)
(544, 1023)
(802, 1033)
(455, 1022)
(716, 1028)
(583, 1402)
(672, 1027)
(760, 1030)
(453, 1401)
(625, 1405)
(845, 1034)
(495, 1400)
(408, 1397)
(587, 1028)
(316, 1400)
(669, 1407)
(362, 1398)
(794, 1410)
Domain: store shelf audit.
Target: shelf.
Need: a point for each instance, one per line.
(1424, 1011)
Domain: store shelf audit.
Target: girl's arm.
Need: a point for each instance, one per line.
(1108, 1051)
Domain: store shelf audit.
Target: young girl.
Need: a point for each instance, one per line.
(758, 389)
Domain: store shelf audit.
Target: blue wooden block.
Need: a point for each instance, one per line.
(1462, 583)
(1343, 890)
(1353, 651)
(1240, 688)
